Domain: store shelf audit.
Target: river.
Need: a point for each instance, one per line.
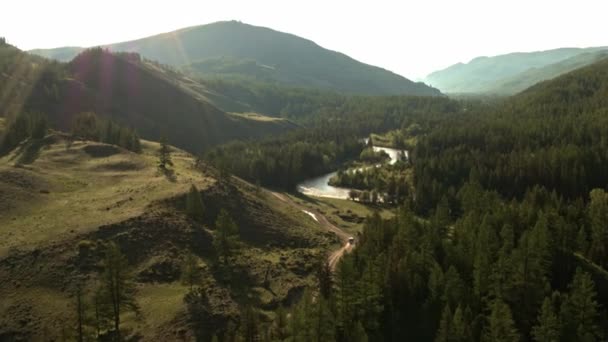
(319, 186)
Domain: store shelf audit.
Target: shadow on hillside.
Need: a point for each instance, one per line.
(28, 153)
(240, 282)
(168, 173)
(305, 198)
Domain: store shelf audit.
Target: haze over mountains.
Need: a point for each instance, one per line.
(233, 49)
(122, 87)
(511, 73)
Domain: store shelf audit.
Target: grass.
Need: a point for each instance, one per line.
(75, 192)
(256, 117)
(159, 304)
(337, 211)
(65, 194)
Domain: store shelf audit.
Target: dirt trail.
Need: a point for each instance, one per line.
(336, 255)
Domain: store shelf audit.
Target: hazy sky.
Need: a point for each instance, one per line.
(409, 37)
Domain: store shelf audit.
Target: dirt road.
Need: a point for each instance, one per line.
(336, 255)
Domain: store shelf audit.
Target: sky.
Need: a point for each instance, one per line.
(410, 37)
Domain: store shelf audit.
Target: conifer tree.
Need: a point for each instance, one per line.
(324, 278)
(191, 273)
(460, 330)
(118, 291)
(280, 326)
(548, 327)
(226, 236)
(445, 328)
(500, 326)
(164, 153)
(579, 312)
(194, 204)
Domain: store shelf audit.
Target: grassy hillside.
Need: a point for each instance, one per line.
(131, 91)
(62, 203)
(231, 48)
(507, 73)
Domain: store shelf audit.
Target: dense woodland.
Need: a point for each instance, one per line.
(504, 239)
(333, 135)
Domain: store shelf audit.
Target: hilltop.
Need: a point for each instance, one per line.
(127, 89)
(62, 204)
(511, 73)
(233, 49)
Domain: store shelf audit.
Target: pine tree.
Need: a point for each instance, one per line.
(548, 327)
(191, 273)
(164, 153)
(460, 330)
(226, 236)
(80, 313)
(200, 313)
(358, 334)
(249, 329)
(117, 288)
(598, 216)
(194, 204)
(345, 295)
(580, 311)
(500, 327)
(324, 278)
(279, 330)
(445, 329)
(322, 321)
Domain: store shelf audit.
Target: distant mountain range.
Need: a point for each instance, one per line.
(512, 73)
(233, 49)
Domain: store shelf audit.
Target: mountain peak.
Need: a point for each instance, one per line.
(277, 57)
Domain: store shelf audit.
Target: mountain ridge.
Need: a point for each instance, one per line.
(486, 74)
(296, 61)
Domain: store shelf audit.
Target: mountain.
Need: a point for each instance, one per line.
(235, 49)
(526, 79)
(511, 73)
(129, 90)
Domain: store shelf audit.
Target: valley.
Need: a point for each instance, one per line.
(229, 182)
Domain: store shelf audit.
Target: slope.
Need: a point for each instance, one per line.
(489, 74)
(133, 92)
(234, 49)
(59, 210)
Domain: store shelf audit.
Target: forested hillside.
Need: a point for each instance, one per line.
(127, 89)
(233, 49)
(515, 245)
(504, 238)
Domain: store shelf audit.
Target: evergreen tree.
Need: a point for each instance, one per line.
(548, 327)
(598, 216)
(200, 314)
(117, 288)
(279, 330)
(86, 126)
(226, 236)
(445, 328)
(324, 278)
(191, 272)
(194, 204)
(580, 310)
(164, 153)
(500, 326)
(460, 330)
(250, 324)
(358, 333)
